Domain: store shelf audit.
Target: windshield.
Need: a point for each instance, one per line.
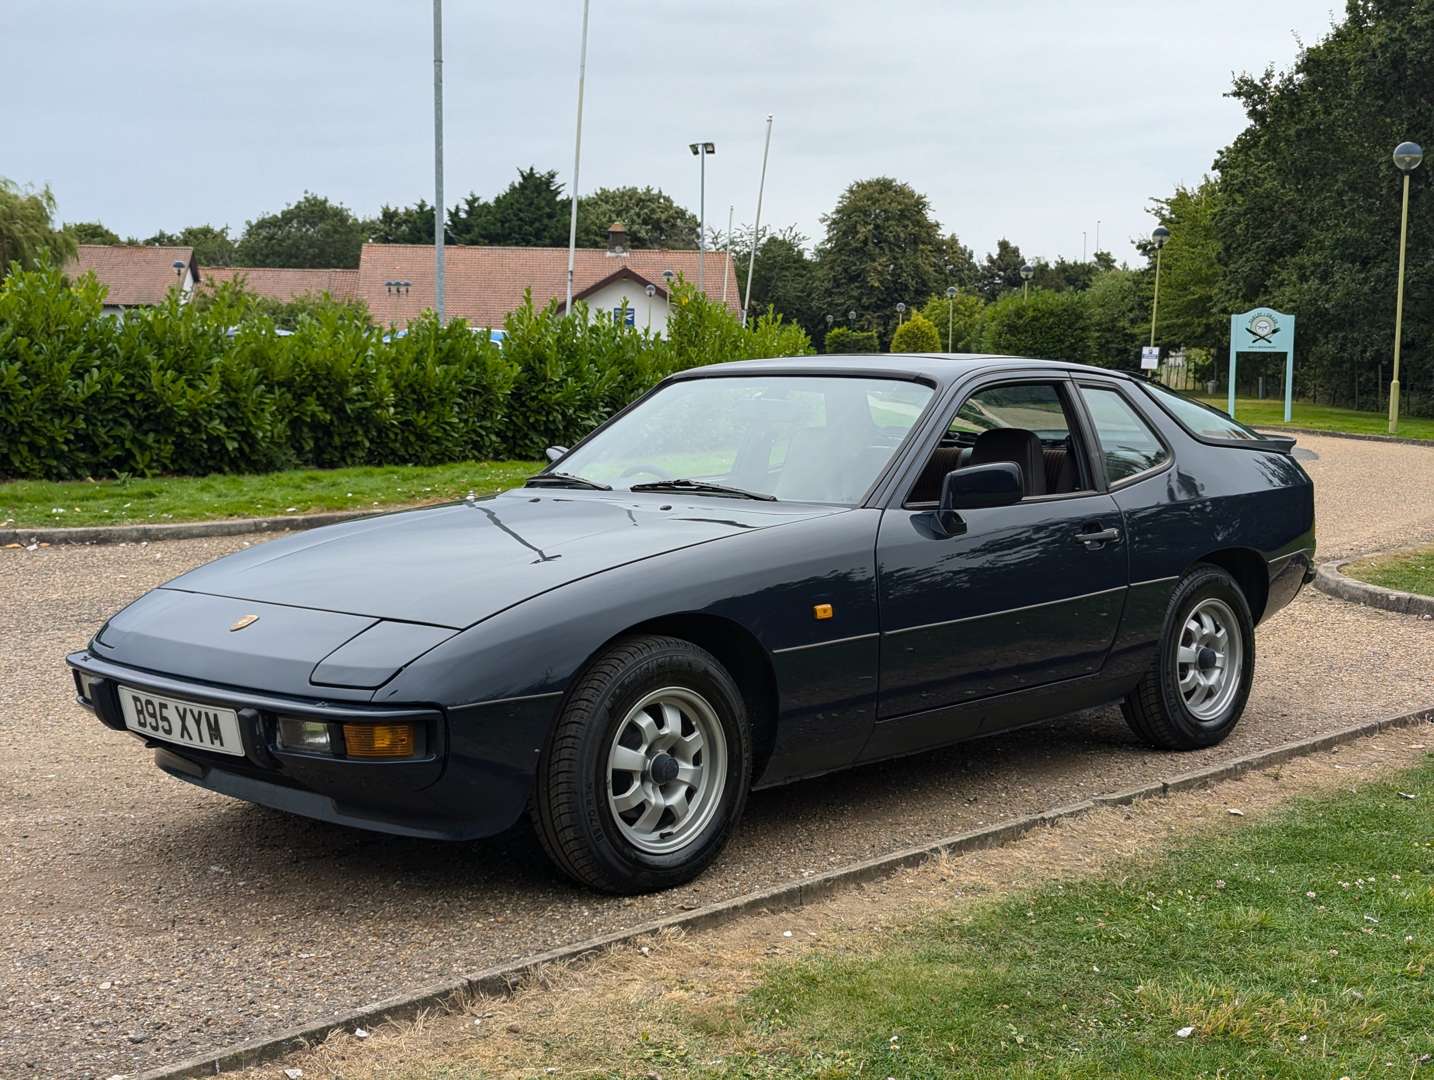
(793, 437)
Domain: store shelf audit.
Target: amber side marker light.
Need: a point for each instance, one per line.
(822, 611)
(379, 740)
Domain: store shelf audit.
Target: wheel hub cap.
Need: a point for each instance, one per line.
(666, 770)
(1209, 660)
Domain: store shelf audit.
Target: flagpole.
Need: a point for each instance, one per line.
(757, 225)
(577, 159)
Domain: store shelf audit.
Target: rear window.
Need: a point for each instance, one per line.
(1198, 418)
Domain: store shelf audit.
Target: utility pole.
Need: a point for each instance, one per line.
(438, 288)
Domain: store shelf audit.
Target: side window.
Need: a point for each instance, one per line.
(1127, 445)
(1025, 423)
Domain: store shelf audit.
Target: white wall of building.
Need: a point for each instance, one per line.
(645, 313)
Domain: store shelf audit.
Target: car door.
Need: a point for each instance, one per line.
(1019, 596)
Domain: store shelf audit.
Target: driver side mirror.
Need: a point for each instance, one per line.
(977, 487)
(552, 453)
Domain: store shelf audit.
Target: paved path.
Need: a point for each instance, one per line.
(147, 920)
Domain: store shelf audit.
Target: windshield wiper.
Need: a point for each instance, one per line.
(702, 487)
(562, 479)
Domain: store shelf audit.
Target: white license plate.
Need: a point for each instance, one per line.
(205, 727)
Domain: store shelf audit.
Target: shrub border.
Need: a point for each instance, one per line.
(184, 530)
(505, 978)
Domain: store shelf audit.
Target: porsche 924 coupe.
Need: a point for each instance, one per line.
(758, 572)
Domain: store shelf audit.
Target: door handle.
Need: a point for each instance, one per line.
(1100, 536)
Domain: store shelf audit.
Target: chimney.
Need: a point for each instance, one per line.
(617, 240)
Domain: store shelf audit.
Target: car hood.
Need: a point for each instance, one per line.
(456, 565)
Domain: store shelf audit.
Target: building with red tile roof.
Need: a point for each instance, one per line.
(284, 284)
(483, 284)
(136, 275)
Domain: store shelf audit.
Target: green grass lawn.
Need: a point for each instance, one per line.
(1410, 572)
(1300, 947)
(35, 504)
(1271, 414)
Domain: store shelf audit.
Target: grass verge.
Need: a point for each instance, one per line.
(1271, 414)
(1411, 571)
(1170, 938)
(30, 504)
(1302, 947)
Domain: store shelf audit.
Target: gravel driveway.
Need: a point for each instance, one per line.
(148, 920)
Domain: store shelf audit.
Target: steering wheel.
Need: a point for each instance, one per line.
(642, 467)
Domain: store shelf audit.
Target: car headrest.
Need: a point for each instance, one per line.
(1018, 446)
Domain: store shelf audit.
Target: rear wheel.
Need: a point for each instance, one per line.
(1198, 683)
(647, 769)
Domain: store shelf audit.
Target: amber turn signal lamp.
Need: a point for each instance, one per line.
(379, 740)
(822, 611)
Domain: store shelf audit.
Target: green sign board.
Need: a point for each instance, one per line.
(1263, 330)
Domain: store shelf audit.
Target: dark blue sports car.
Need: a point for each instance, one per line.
(758, 572)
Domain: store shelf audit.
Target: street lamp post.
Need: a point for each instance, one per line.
(178, 267)
(1027, 272)
(667, 276)
(1158, 236)
(651, 291)
(701, 151)
(1407, 156)
(950, 316)
(900, 312)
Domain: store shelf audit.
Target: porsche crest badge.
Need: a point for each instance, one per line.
(242, 622)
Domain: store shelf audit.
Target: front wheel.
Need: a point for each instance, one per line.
(1196, 688)
(648, 767)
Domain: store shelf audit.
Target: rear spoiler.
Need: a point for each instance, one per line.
(1280, 444)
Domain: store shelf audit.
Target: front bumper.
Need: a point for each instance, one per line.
(431, 795)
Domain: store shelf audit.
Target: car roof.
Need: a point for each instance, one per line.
(937, 367)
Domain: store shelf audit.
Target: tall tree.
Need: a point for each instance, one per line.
(1308, 210)
(312, 232)
(404, 225)
(882, 247)
(531, 212)
(784, 276)
(1190, 268)
(958, 264)
(28, 234)
(652, 219)
(1001, 271)
(91, 232)
(213, 246)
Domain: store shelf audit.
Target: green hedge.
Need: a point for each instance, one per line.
(168, 390)
(844, 340)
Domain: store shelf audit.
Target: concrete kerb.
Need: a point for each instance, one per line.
(1331, 580)
(504, 978)
(178, 530)
(1398, 439)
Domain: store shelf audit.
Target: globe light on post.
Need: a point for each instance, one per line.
(651, 291)
(1407, 156)
(900, 312)
(950, 314)
(1027, 272)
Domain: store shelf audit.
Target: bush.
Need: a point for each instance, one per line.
(961, 316)
(915, 335)
(1049, 325)
(843, 340)
(214, 387)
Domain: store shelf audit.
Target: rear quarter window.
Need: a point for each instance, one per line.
(1196, 417)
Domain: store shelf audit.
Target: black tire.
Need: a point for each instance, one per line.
(1156, 709)
(571, 809)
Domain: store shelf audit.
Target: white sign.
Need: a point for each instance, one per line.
(1149, 357)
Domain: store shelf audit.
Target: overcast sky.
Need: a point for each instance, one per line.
(1030, 119)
